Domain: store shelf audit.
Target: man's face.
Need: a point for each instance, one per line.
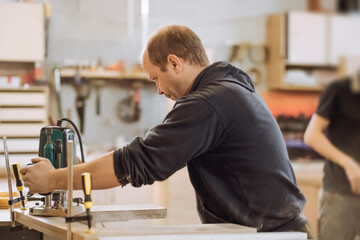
(167, 83)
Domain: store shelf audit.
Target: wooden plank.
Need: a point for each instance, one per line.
(23, 99)
(22, 145)
(23, 114)
(20, 129)
(114, 213)
(56, 226)
(231, 236)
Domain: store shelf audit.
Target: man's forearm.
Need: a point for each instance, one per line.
(324, 147)
(101, 169)
(314, 136)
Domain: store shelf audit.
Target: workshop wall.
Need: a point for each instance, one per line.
(89, 30)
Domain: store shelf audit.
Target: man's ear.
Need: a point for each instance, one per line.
(175, 63)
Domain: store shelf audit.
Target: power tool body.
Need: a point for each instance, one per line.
(53, 146)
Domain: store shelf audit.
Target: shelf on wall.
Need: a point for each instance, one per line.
(311, 67)
(314, 88)
(103, 75)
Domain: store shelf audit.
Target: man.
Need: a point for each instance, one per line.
(220, 128)
(338, 114)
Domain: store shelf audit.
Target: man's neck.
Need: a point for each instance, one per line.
(193, 73)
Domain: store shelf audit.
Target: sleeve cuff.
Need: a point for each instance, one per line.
(119, 168)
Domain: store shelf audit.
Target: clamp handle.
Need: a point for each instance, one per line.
(86, 185)
(16, 170)
(19, 185)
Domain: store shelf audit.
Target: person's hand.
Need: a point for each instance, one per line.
(38, 177)
(352, 170)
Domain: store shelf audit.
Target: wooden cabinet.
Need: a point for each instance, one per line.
(305, 48)
(22, 36)
(23, 112)
(299, 57)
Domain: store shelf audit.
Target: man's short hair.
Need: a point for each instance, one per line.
(178, 40)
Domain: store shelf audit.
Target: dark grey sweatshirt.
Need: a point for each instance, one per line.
(233, 149)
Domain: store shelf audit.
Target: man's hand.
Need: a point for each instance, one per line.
(352, 170)
(39, 177)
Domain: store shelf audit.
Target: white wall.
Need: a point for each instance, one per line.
(91, 29)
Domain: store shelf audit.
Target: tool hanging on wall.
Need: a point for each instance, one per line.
(82, 93)
(128, 109)
(98, 84)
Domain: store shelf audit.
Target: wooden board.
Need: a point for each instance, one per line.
(217, 236)
(25, 98)
(56, 226)
(115, 213)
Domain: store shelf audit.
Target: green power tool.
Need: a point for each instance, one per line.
(53, 142)
(53, 145)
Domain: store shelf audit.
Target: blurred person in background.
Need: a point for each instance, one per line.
(334, 132)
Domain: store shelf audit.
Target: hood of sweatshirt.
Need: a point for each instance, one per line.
(222, 71)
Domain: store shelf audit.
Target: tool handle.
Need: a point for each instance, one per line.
(86, 185)
(16, 170)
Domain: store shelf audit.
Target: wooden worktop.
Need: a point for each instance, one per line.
(309, 172)
(56, 228)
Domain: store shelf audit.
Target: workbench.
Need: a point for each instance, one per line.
(309, 178)
(21, 233)
(55, 228)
